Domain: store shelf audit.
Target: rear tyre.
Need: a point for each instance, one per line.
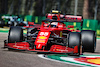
(15, 35)
(88, 40)
(74, 39)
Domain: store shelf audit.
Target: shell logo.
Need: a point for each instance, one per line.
(42, 37)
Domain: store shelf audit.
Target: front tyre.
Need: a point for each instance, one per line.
(15, 35)
(74, 39)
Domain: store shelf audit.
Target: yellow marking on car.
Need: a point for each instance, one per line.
(56, 11)
(42, 37)
(41, 41)
(61, 34)
(57, 49)
(14, 45)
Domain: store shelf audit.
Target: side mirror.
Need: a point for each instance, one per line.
(70, 26)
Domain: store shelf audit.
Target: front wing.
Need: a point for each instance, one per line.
(53, 49)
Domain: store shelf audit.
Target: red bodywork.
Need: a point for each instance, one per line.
(41, 41)
(44, 34)
(69, 18)
(53, 49)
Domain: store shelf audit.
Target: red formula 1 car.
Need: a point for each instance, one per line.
(52, 36)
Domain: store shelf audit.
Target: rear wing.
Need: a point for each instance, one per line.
(68, 18)
(71, 18)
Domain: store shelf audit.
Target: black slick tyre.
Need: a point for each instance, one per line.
(88, 40)
(15, 35)
(74, 39)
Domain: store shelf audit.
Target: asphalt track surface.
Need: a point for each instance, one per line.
(30, 59)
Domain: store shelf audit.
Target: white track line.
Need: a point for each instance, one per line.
(72, 59)
(42, 56)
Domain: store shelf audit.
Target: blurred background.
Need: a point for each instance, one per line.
(35, 10)
(87, 8)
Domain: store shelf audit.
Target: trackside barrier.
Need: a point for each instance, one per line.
(98, 29)
(92, 25)
(28, 18)
(89, 24)
(35, 19)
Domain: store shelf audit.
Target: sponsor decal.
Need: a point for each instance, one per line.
(44, 33)
(42, 37)
(41, 41)
(18, 46)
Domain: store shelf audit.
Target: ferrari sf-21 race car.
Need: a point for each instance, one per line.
(52, 36)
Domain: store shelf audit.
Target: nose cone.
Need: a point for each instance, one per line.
(39, 46)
